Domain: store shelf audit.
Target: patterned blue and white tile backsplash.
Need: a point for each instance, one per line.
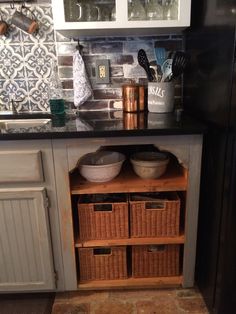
(25, 62)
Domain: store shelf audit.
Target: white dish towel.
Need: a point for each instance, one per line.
(81, 84)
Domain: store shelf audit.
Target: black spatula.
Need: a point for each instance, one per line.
(143, 62)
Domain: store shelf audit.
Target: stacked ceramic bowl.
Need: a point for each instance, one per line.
(149, 165)
(101, 166)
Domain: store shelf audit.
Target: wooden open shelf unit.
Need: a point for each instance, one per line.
(175, 179)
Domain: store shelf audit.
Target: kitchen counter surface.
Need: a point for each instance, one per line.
(102, 124)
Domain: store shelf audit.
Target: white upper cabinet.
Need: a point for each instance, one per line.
(117, 17)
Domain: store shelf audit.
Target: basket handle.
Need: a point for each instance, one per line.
(102, 251)
(102, 208)
(159, 205)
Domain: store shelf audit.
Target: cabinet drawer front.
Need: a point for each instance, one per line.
(21, 166)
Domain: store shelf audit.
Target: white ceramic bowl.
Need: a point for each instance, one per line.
(101, 166)
(149, 165)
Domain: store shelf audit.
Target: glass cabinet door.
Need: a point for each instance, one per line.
(144, 10)
(89, 10)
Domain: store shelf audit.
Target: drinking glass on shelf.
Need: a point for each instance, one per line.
(175, 10)
(170, 9)
(136, 10)
(166, 9)
(113, 14)
(154, 10)
(87, 11)
(71, 10)
(104, 13)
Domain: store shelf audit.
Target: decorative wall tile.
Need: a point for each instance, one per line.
(25, 60)
(37, 59)
(11, 62)
(13, 89)
(38, 95)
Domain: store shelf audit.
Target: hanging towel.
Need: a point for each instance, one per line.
(81, 84)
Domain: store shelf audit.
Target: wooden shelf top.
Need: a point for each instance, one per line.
(175, 179)
(153, 282)
(131, 241)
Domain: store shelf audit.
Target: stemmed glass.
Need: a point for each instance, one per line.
(170, 9)
(136, 10)
(154, 10)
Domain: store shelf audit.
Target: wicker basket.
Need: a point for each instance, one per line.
(154, 215)
(103, 216)
(102, 263)
(155, 260)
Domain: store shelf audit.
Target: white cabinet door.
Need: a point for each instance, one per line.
(113, 17)
(26, 261)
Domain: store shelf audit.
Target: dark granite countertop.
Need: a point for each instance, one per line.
(102, 124)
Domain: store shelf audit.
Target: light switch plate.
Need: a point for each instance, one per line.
(102, 71)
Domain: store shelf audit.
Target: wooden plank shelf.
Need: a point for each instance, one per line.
(131, 241)
(154, 282)
(175, 179)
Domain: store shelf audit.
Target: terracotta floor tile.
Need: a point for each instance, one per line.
(70, 308)
(113, 308)
(186, 293)
(192, 305)
(88, 296)
(151, 307)
(145, 307)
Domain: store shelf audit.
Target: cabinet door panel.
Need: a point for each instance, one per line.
(21, 166)
(25, 245)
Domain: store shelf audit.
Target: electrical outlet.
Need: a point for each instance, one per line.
(102, 71)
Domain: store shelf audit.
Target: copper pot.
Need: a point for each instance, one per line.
(133, 97)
